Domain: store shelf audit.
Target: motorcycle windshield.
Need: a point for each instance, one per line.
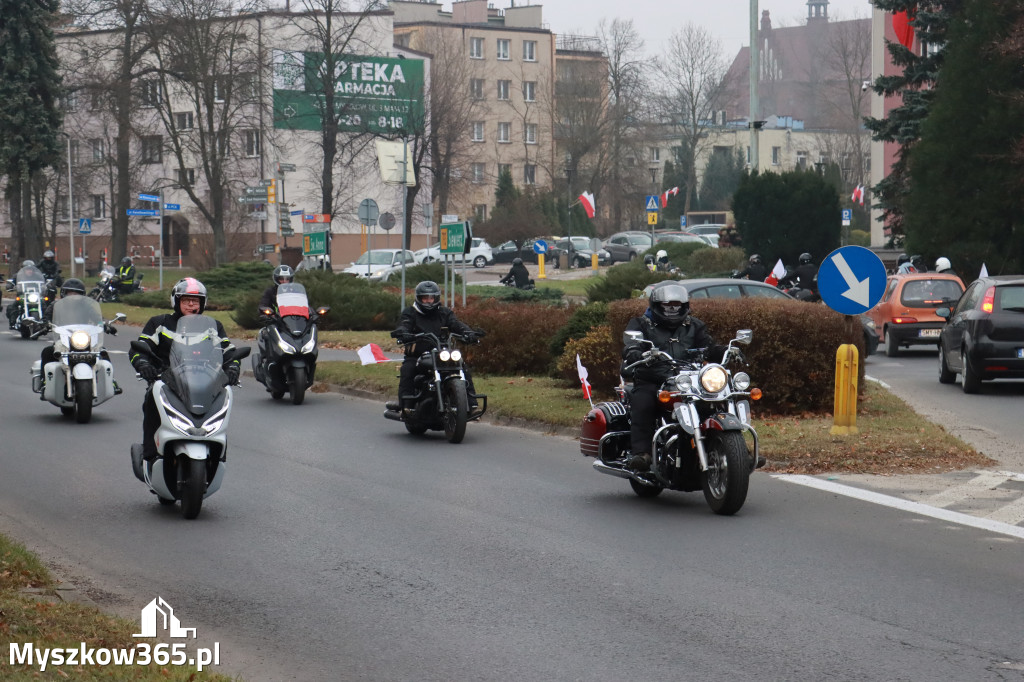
(291, 300)
(195, 365)
(77, 310)
(29, 275)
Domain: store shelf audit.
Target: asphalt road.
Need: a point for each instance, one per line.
(342, 548)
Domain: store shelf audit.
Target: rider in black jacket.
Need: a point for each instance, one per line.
(755, 270)
(51, 268)
(126, 276)
(520, 274)
(670, 326)
(805, 276)
(283, 274)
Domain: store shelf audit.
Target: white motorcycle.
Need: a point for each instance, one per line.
(80, 376)
(194, 403)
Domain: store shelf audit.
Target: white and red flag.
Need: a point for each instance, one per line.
(669, 192)
(371, 354)
(582, 371)
(587, 199)
(777, 273)
(858, 195)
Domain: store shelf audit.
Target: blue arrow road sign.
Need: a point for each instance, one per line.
(84, 226)
(851, 280)
(149, 197)
(142, 211)
(172, 207)
(540, 246)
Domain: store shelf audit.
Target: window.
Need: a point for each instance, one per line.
(655, 154)
(530, 133)
(776, 155)
(97, 150)
(503, 48)
(150, 93)
(476, 48)
(71, 100)
(801, 160)
(530, 91)
(503, 89)
(251, 140)
(151, 149)
(529, 50)
(99, 206)
(529, 174)
(504, 132)
(184, 120)
(74, 152)
(186, 176)
(62, 208)
(504, 168)
(480, 210)
(476, 172)
(476, 88)
(478, 131)
(96, 98)
(221, 88)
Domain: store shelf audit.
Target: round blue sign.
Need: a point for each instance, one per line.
(540, 246)
(851, 280)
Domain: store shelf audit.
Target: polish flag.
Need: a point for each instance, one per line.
(587, 199)
(858, 195)
(779, 271)
(664, 197)
(582, 371)
(371, 354)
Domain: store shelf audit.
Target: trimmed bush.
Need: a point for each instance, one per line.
(678, 252)
(714, 262)
(518, 337)
(599, 353)
(583, 319)
(226, 286)
(860, 238)
(620, 282)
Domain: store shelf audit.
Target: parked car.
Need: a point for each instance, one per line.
(906, 314)
(720, 287)
(379, 264)
(506, 252)
(582, 253)
(480, 253)
(684, 238)
(706, 229)
(626, 246)
(983, 337)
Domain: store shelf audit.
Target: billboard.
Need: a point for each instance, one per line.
(381, 95)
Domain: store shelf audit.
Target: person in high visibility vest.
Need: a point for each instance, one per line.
(126, 276)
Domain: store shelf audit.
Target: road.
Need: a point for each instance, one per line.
(342, 548)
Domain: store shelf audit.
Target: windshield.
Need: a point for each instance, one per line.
(291, 300)
(377, 258)
(77, 310)
(29, 275)
(195, 363)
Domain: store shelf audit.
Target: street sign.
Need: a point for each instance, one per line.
(314, 244)
(847, 216)
(272, 193)
(851, 280)
(287, 232)
(595, 244)
(386, 221)
(172, 207)
(540, 246)
(651, 202)
(142, 211)
(652, 217)
(258, 215)
(316, 217)
(682, 221)
(285, 222)
(266, 183)
(286, 168)
(449, 218)
(295, 213)
(453, 238)
(253, 199)
(266, 248)
(149, 197)
(368, 212)
(84, 226)
(256, 192)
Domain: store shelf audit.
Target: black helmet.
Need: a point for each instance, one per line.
(428, 288)
(805, 258)
(127, 260)
(669, 304)
(903, 258)
(517, 261)
(190, 286)
(917, 260)
(283, 272)
(754, 259)
(72, 286)
(47, 254)
(649, 259)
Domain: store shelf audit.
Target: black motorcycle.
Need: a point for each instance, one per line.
(441, 399)
(287, 349)
(110, 287)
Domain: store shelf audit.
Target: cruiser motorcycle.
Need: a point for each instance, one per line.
(194, 402)
(698, 440)
(286, 352)
(32, 294)
(81, 375)
(441, 399)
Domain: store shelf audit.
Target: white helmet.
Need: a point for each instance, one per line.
(942, 264)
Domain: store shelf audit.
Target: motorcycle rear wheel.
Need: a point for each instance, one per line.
(455, 410)
(298, 385)
(83, 401)
(727, 479)
(193, 487)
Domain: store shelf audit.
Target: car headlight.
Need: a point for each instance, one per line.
(80, 340)
(444, 356)
(33, 297)
(741, 380)
(713, 378)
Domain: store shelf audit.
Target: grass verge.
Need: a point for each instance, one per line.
(45, 621)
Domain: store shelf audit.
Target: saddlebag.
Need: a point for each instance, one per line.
(602, 418)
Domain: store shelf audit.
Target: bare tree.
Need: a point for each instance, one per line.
(844, 101)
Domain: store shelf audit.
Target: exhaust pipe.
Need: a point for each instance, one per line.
(612, 470)
(394, 414)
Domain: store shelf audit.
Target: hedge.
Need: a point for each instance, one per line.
(518, 339)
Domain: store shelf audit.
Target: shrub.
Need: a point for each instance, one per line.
(714, 262)
(860, 238)
(678, 252)
(518, 337)
(226, 286)
(418, 273)
(621, 280)
(583, 319)
(599, 353)
(793, 353)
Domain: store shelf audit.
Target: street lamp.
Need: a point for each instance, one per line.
(71, 208)
(569, 172)
(654, 167)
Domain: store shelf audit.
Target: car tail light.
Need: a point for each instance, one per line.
(904, 320)
(989, 302)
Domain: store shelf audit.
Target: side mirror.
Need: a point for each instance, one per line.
(944, 313)
(120, 317)
(744, 336)
(632, 337)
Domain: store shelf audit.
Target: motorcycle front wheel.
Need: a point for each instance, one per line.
(83, 401)
(193, 487)
(298, 387)
(95, 294)
(728, 476)
(455, 410)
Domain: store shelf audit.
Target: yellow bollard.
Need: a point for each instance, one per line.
(845, 413)
(540, 266)
(593, 261)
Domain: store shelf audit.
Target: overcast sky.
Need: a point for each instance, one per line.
(728, 20)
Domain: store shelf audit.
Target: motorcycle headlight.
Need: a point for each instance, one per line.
(741, 380)
(33, 297)
(713, 378)
(309, 345)
(456, 355)
(444, 356)
(283, 345)
(80, 340)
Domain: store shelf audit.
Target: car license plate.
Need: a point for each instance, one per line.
(929, 333)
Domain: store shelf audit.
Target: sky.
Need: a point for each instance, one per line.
(727, 20)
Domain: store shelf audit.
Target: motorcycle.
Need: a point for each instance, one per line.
(286, 352)
(441, 399)
(698, 440)
(32, 294)
(529, 286)
(81, 375)
(108, 288)
(194, 403)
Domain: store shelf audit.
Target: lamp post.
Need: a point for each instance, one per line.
(569, 171)
(71, 208)
(654, 168)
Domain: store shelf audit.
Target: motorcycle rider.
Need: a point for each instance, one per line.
(283, 274)
(755, 270)
(72, 287)
(943, 266)
(670, 326)
(663, 264)
(188, 297)
(13, 308)
(126, 276)
(904, 266)
(519, 274)
(649, 263)
(805, 276)
(427, 315)
(50, 267)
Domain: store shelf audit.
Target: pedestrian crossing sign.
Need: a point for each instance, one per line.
(652, 203)
(84, 226)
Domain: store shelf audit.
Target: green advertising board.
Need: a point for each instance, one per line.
(453, 238)
(381, 95)
(314, 244)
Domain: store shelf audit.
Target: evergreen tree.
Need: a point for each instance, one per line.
(506, 193)
(965, 200)
(721, 179)
(29, 115)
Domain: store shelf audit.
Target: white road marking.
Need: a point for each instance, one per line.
(905, 505)
(1012, 513)
(986, 480)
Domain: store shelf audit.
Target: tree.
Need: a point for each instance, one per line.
(29, 116)
(784, 215)
(722, 177)
(965, 200)
(520, 217)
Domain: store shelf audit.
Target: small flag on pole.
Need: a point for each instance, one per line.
(777, 273)
(984, 271)
(587, 199)
(582, 371)
(371, 354)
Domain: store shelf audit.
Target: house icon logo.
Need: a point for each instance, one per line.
(158, 618)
